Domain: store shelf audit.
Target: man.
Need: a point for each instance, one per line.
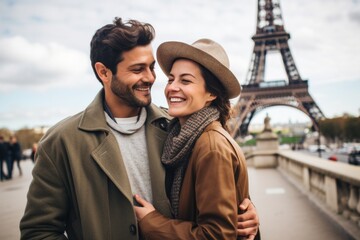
(89, 166)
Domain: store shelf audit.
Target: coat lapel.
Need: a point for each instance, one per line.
(108, 157)
(107, 154)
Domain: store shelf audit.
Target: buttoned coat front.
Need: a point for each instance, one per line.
(215, 183)
(80, 185)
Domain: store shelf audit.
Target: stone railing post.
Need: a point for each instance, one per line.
(352, 203)
(306, 178)
(331, 193)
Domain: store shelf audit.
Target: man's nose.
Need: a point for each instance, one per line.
(149, 76)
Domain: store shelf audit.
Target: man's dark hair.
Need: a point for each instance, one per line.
(110, 41)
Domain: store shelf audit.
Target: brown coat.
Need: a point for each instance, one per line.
(215, 183)
(80, 184)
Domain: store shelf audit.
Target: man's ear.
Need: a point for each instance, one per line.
(103, 72)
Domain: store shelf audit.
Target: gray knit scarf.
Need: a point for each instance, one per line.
(178, 147)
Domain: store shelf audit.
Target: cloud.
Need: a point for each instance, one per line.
(355, 17)
(32, 64)
(44, 45)
(323, 39)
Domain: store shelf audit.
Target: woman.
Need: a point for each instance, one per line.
(206, 170)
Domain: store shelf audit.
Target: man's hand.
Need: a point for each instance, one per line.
(248, 221)
(146, 208)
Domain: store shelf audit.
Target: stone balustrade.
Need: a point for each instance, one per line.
(332, 186)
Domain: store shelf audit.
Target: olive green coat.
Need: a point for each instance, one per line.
(80, 185)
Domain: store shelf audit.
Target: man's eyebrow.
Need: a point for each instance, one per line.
(142, 64)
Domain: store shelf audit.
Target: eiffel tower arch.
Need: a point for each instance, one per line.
(258, 94)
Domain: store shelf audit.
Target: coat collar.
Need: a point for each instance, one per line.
(93, 120)
(93, 117)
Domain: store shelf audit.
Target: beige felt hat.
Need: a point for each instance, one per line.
(205, 52)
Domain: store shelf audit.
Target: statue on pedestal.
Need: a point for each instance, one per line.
(267, 143)
(267, 127)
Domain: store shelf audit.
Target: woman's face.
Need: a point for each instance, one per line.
(185, 91)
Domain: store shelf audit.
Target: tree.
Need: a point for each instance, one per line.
(27, 137)
(352, 129)
(345, 128)
(6, 133)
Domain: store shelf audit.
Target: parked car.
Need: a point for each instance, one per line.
(348, 148)
(354, 157)
(317, 148)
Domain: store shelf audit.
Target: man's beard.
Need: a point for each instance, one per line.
(126, 94)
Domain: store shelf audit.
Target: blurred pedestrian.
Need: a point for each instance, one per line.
(33, 151)
(15, 155)
(4, 156)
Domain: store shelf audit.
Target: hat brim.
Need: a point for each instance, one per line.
(168, 52)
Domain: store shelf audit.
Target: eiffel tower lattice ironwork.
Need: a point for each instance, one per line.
(258, 94)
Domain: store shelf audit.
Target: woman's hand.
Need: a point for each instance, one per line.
(146, 208)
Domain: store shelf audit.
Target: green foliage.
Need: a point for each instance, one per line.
(290, 139)
(251, 142)
(283, 140)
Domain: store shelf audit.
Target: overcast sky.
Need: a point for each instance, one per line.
(45, 72)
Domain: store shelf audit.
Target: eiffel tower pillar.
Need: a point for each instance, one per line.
(258, 94)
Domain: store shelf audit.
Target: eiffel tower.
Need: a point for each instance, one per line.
(258, 94)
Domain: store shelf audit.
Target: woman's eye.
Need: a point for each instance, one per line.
(185, 81)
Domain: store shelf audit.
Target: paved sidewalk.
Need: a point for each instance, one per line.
(13, 200)
(285, 213)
